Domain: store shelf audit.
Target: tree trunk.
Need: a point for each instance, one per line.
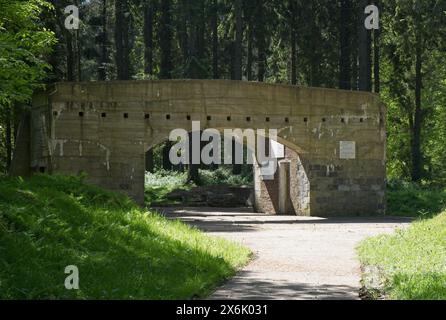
(122, 40)
(193, 175)
(214, 27)
(70, 55)
(166, 40)
(8, 137)
(78, 56)
(345, 51)
(102, 70)
(237, 68)
(418, 118)
(192, 67)
(315, 45)
(376, 54)
(293, 44)
(261, 41)
(149, 160)
(182, 29)
(249, 57)
(238, 40)
(167, 165)
(236, 168)
(365, 80)
(148, 36)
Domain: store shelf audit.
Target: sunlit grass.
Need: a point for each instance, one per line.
(122, 251)
(412, 262)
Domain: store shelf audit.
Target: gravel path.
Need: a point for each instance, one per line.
(295, 257)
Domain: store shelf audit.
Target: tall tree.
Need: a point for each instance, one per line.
(8, 135)
(376, 54)
(260, 35)
(237, 68)
(149, 14)
(345, 42)
(122, 41)
(165, 40)
(365, 74)
(103, 60)
(249, 14)
(417, 38)
(293, 41)
(214, 28)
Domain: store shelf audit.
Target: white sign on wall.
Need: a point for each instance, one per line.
(347, 149)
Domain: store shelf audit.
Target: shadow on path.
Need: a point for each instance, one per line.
(295, 257)
(245, 286)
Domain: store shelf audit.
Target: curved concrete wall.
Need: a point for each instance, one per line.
(104, 129)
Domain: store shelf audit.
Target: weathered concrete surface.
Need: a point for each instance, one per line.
(295, 257)
(105, 128)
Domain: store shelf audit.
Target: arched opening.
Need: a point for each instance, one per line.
(285, 191)
(214, 185)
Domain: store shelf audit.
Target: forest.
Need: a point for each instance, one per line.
(395, 49)
(318, 43)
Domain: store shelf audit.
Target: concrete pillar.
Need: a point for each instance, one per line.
(284, 186)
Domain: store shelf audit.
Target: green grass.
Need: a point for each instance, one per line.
(158, 185)
(122, 252)
(412, 262)
(413, 200)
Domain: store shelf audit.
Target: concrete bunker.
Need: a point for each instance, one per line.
(335, 140)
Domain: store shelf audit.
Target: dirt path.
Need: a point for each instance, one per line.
(295, 257)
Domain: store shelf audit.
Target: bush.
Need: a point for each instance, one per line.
(224, 176)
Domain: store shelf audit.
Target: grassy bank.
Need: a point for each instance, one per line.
(410, 264)
(49, 222)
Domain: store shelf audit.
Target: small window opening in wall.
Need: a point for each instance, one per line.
(146, 116)
(126, 115)
(228, 118)
(42, 169)
(55, 113)
(342, 120)
(81, 114)
(168, 116)
(323, 119)
(305, 119)
(267, 119)
(248, 119)
(188, 117)
(208, 118)
(361, 119)
(287, 120)
(103, 115)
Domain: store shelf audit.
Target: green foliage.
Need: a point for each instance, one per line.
(409, 24)
(122, 252)
(412, 262)
(158, 185)
(23, 41)
(224, 176)
(410, 199)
